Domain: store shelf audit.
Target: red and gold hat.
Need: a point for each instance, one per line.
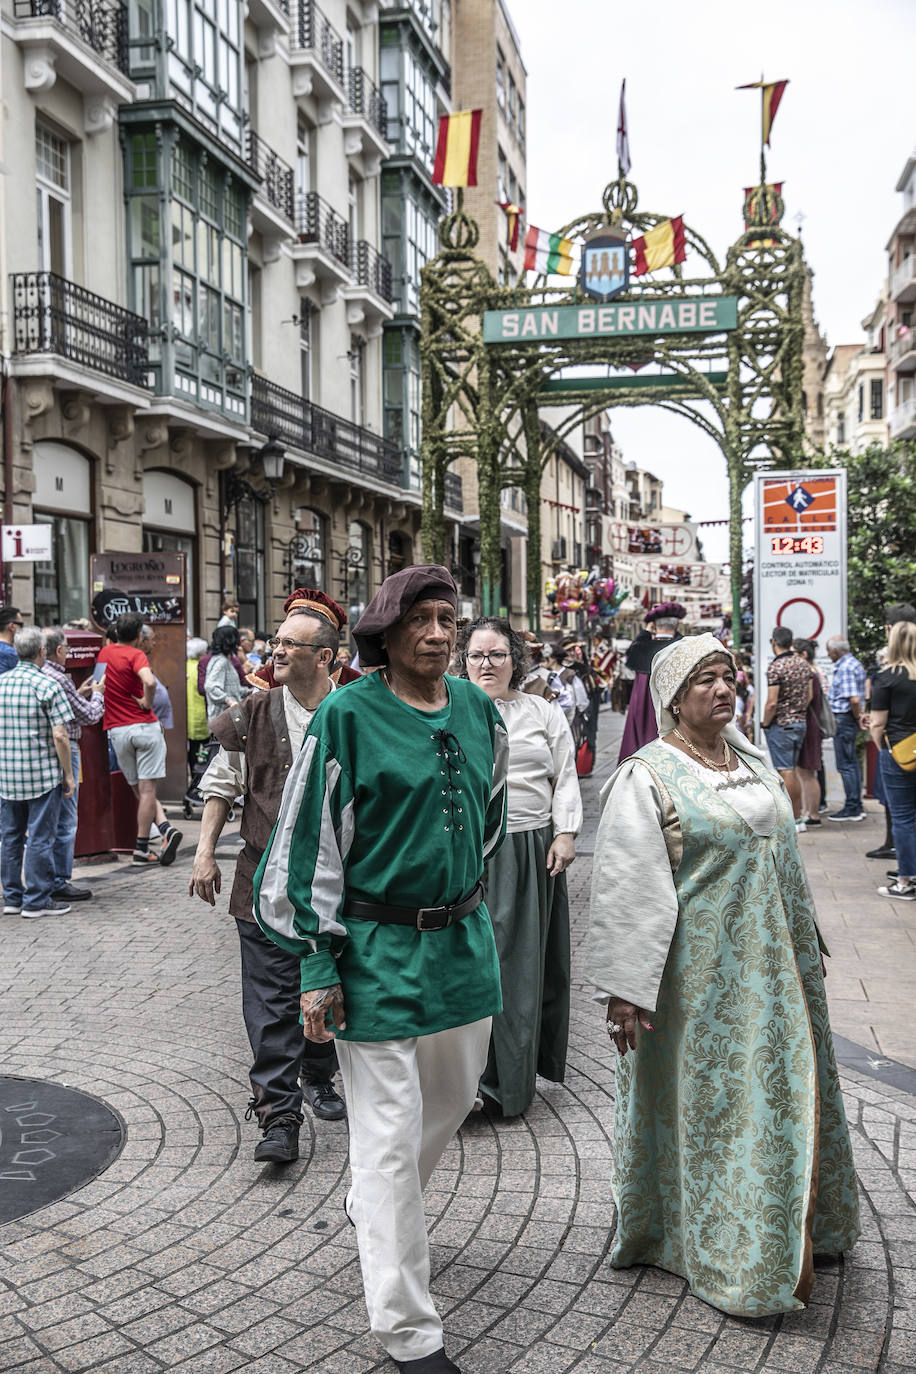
(311, 599)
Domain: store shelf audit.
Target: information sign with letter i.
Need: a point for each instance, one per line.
(799, 563)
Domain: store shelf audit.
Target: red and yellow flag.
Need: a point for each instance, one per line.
(662, 246)
(456, 149)
(513, 220)
(772, 92)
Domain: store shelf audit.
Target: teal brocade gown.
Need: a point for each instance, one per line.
(733, 1164)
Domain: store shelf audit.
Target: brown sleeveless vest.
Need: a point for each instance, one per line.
(256, 727)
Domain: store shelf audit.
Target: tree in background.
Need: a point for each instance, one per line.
(881, 538)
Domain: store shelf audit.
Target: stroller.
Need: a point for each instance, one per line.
(200, 752)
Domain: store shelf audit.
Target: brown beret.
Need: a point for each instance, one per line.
(394, 598)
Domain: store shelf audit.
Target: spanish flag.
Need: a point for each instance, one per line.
(771, 91)
(456, 149)
(513, 220)
(662, 246)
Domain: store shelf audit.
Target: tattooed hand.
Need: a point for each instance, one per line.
(316, 1006)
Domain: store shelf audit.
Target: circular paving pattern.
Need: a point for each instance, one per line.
(185, 1255)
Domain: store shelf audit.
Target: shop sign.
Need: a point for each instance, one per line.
(150, 584)
(27, 543)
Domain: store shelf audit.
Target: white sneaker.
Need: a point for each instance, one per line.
(52, 909)
(801, 828)
(12, 910)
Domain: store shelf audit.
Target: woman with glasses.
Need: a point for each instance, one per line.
(525, 879)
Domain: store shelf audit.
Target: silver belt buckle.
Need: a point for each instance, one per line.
(434, 910)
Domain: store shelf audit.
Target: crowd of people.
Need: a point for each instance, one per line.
(408, 816)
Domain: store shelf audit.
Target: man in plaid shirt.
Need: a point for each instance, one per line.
(35, 775)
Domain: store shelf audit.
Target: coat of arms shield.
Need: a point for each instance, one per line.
(605, 270)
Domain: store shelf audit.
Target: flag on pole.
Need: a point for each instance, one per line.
(548, 253)
(623, 137)
(771, 93)
(456, 149)
(662, 246)
(513, 219)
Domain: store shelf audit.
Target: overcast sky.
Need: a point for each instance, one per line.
(844, 130)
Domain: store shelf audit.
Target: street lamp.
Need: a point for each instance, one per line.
(272, 456)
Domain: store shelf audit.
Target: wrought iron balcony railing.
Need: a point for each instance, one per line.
(103, 26)
(317, 223)
(276, 175)
(366, 100)
(371, 270)
(53, 315)
(313, 430)
(314, 30)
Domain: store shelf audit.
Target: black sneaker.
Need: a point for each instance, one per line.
(325, 1103)
(170, 847)
(884, 851)
(281, 1141)
(69, 893)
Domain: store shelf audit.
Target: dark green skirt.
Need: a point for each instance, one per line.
(530, 915)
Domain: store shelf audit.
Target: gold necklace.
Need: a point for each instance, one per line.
(709, 763)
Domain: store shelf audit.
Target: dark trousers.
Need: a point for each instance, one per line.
(847, 765)
(270, 1006)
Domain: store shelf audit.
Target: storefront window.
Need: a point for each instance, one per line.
(357, 568)
(62, 586)
(308, 550)
(249, 563)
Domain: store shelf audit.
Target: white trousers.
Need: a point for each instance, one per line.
(405, 1100)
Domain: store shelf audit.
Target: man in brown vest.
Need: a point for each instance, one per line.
(259, 738)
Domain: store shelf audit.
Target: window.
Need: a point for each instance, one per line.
(401, 392)
(205, 62)
(520, 125)
(502, 176)
(62, 586)
(876, 399)
(353, 210)
(249, 561)
(356, 356)
(841, 429)
(861, 411)
(398, 551)
(305, 350)
(512, 103)
(357, 568)
(308, 562)
(52, 168)
(500, 79)
(303, 157)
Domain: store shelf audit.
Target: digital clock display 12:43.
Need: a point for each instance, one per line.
(797, 543)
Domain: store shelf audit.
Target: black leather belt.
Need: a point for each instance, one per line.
(422, 918)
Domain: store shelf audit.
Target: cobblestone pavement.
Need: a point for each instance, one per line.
(186, 1256)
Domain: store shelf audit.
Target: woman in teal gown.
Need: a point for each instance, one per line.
(732, 1160)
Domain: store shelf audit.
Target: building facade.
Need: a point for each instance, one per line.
(901, 311)
(197, 271)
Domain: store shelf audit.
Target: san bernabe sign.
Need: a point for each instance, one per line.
(691, 315)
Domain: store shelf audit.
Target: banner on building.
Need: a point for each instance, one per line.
(663, 541)
(699, 577)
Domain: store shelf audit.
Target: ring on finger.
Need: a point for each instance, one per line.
(613, 1028)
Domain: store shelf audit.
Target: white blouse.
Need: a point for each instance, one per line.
(543, 785)
(634, 904)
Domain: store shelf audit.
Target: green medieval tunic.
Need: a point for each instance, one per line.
(389, 804)
(732, 1158)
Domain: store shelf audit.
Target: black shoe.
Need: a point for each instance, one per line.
(326, 1104)
(884, 851)
(69, 893)
(892, 873)
(170, 847)
(437, 1363)
(281, 1141)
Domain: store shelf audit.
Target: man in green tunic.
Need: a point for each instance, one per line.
(372, 879)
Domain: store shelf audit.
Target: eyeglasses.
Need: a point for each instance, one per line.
(287, 644)
(496, 658)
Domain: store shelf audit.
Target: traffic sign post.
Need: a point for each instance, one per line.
(799, 562)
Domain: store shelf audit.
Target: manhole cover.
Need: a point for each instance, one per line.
(52, 1140)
